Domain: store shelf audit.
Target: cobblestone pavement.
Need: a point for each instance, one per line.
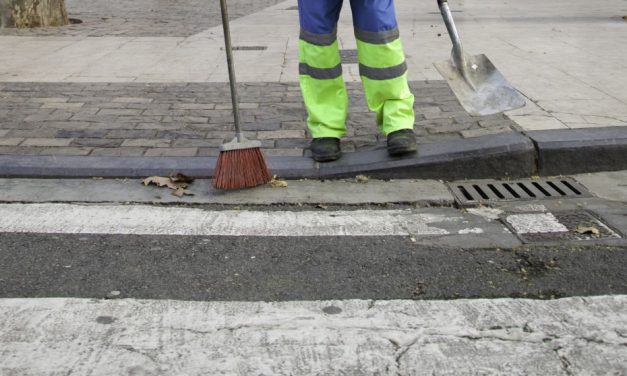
(193, 119)
(144, 18)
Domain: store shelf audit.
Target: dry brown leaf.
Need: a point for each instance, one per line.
(276, 183)
(181, 178)
(180, 192)
(320, 206)
(162, 181)
(363, 179)
(588, 230)
(159, 181)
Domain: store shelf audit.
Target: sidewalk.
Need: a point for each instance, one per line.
(107, 88)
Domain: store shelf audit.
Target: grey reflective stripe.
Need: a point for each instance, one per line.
(381, 37)
(320, 73)
(318, 39)
(382, 73)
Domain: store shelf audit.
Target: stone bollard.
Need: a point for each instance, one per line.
(32, 13)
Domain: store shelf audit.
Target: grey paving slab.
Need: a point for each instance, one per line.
(143, 18)
(347, 192)
(186, 116)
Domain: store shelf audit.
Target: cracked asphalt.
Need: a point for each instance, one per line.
(283, 269)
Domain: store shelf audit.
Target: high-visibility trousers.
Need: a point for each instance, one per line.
(382, 66)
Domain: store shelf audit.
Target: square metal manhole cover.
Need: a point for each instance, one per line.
(479, 192)
(577, 225)
(349, 56)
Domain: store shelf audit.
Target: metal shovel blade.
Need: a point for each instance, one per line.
(480, 87)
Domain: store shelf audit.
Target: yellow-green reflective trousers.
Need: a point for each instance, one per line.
(383, 73)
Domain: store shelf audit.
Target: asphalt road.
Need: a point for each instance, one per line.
(296, 268)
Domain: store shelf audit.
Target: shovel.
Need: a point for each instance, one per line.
(478, 85)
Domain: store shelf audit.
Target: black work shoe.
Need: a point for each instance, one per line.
(326, 149)
(402, 142)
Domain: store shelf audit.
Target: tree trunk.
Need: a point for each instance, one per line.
(32, 13)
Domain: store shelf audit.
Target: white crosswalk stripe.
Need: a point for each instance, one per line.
(140, 337)
(153, 220)
(389, 337)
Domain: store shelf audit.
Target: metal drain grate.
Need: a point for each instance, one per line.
(349, 56)
(486, 191)
(574, 227)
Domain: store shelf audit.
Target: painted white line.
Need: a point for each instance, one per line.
(535, 223)
(153, 220)
(491, 214)
(505, 336)
(474, 230)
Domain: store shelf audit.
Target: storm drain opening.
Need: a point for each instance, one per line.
(470, 193)
(576, 225)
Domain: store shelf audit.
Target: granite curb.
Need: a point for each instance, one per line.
(574, 151)
(480, 157)
(509, 155)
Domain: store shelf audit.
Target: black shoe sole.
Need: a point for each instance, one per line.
(402, 151)
(327, 158)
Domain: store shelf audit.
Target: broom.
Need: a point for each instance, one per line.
(241, 163)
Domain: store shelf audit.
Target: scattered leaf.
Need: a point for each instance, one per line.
(161, 181)
(181, 178)
(276, 183)
(177, 182)
(588, 230)
(363, 179)
(320, 206)
(180, 192)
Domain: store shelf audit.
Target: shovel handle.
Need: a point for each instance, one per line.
(458, 51)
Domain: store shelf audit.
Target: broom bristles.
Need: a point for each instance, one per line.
(237, 169)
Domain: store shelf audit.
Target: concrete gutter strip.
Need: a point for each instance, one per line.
(428, 192)
(608, 185)
(572, 151)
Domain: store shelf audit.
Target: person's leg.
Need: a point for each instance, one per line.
(382, 64)
(320, 68)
